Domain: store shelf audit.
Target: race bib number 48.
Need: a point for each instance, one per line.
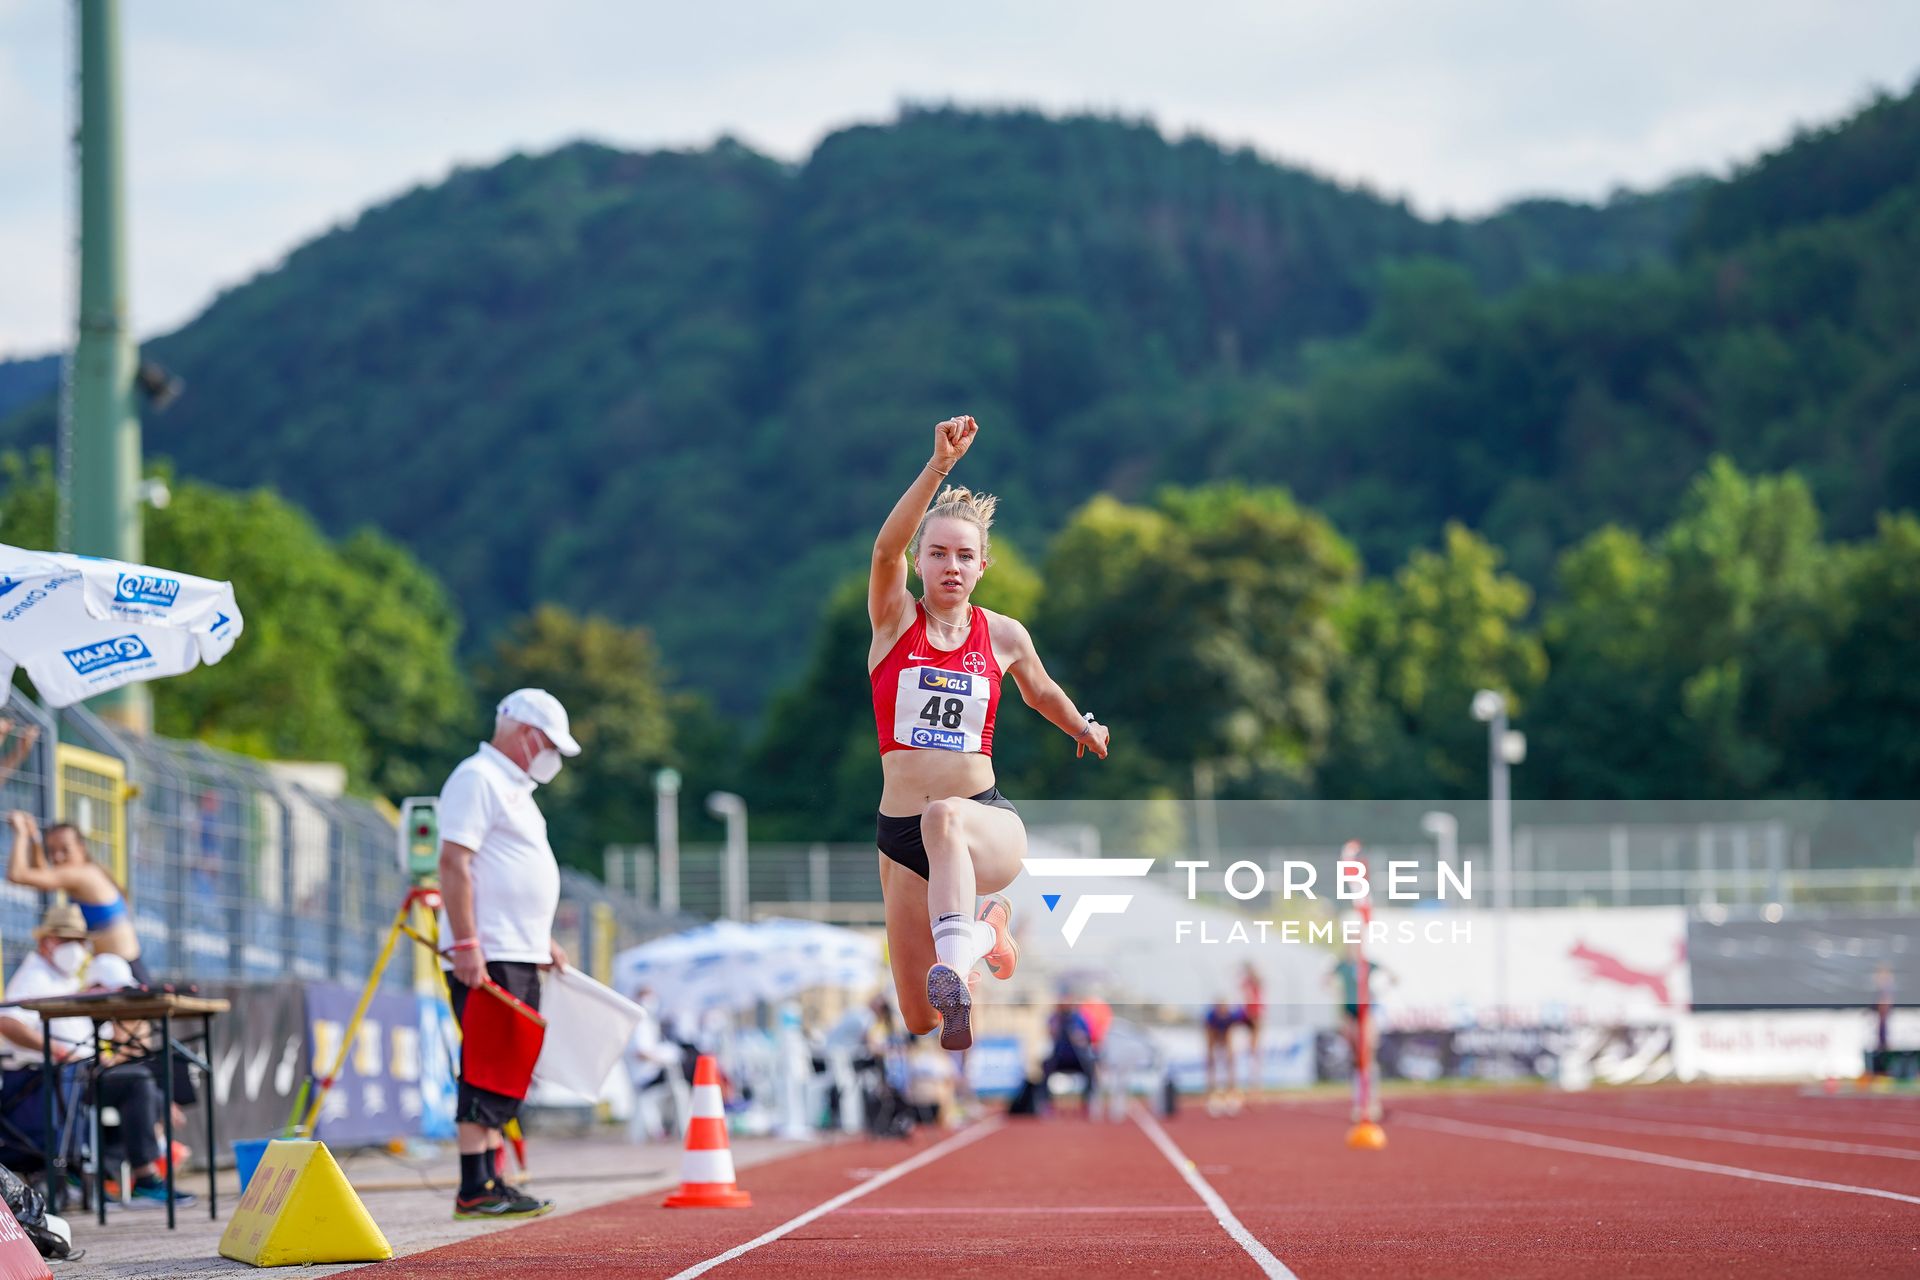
(940, 710)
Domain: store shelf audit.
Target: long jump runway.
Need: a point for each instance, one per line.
(1661, 1182)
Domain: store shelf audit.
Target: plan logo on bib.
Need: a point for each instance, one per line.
(1089, 905)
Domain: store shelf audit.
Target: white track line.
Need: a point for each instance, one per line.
(1776, 1118)
(1527, 1138)
(964, 1138)
(1572, 1119)
(1261, 1255)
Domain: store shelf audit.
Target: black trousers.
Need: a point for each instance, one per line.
(521, 980)
(131, 1090)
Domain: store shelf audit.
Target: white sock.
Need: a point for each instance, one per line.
(983, 937)
(954, 942)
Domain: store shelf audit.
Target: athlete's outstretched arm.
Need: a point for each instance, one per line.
(1044, 695)
(887, 581)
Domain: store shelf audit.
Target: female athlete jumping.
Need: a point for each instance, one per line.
(944, 830)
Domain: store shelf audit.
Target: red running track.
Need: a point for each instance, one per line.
(1651, 1182)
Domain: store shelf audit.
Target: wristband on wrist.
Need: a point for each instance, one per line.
(466, 944)
(937, 471)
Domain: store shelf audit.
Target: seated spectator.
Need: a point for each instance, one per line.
(1072, 1049)
(57, 968)
(52, 968)
(650, 1059)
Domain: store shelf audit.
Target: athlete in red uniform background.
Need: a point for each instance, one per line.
(945, 832)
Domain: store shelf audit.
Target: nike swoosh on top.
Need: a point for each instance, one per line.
(920, 657)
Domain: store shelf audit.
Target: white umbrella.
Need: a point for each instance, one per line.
(81, 626)
(732, 966)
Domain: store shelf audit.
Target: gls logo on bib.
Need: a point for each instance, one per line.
(90, 658)
(946, 681)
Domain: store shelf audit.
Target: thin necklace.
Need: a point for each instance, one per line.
(951, 626)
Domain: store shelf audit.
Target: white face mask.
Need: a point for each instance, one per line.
(69, 956)
(544, 767)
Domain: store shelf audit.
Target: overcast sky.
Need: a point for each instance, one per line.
(254, 126)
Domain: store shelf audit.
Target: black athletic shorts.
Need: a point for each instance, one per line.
(899, 838)
(521, 978)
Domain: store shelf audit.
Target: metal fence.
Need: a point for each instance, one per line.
(240, 869)
(237, 868)
(233, 868)
(835, 883)
(1712, 868)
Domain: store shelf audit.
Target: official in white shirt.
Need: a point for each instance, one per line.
(500, 887)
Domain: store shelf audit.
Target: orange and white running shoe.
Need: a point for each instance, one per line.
(1004, 954)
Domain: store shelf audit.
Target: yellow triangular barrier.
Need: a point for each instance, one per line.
(299, 1209)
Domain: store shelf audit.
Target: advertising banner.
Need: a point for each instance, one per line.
(1769, 1045)
(259, 1057)
(377, 1095)
(1828, 960)
(1552, 968)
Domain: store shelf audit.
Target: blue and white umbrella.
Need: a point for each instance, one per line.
(81, 626)
(731, 966)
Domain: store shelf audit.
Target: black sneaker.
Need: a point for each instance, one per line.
(498, 1201)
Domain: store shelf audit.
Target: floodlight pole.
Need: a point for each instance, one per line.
(731, 809)
(101, 515)
(666, 831)
(1491, 707)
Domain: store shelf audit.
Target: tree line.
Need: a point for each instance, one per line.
(1736, 652)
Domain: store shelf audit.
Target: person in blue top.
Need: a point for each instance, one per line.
(63, 865)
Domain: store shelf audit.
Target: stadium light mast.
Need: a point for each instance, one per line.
(101, 515)
(1504, 749)
(1445, 830)
(732, 810)
(666, 829)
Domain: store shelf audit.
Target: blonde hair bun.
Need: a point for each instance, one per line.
(957, 502)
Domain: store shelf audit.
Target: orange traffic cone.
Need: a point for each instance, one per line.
(706, 1166)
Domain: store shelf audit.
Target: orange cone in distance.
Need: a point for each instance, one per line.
(1367, 1136)
(706, 1166)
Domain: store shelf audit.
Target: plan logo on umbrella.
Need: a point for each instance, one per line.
(89, 658)
(80, 626)
(147, 589)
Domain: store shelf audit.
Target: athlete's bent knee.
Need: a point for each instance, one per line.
(918, 1024)
(944, 818)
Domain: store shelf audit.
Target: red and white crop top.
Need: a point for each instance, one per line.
(932, 699)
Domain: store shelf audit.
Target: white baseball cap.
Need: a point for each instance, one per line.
(110, 972)
(543, 711)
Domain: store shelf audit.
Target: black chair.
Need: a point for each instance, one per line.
(23, 1120)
